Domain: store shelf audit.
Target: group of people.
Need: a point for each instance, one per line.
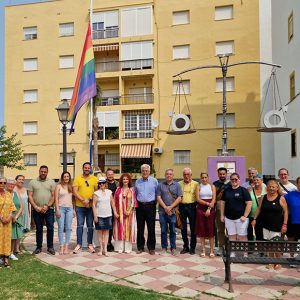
(120, 211)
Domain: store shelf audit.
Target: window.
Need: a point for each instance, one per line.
(231, 152)
(181, 17)
(181, 87)
(30, 128)
(136, 21)
(66, 61)
(290, 26)
(230, 120)
(139, 95)
(292, 86)
(182, 157)
(225, 47)
(112, 159)
(105, 24)
(30, 159)
(66, 29)
(109, 123)
(137, 55)
(182, 51)
(30, 33)
(66, 93)
(230, 86)
(30, 64)
(70, 158)
(138, 124)
(293, 143)
(30, 96)
(223, 12)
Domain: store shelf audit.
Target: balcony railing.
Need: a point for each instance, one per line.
(146, 98)
(106, 33)
(110, 101)
(138, 134)
(125, 65)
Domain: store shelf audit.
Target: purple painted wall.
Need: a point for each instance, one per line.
(234, 163)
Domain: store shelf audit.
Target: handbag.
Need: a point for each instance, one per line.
(178, 223)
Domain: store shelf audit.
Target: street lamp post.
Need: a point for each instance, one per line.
(63, 110)
(73, 153)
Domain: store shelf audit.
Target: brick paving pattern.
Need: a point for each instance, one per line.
(183, 275)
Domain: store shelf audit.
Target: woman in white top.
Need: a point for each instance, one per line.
(22, 192)
(64, 210)
(103, 204)
(205, 214)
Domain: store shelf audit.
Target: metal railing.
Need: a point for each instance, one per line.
(125, 65)
(106, 33)
(138, 134)
(145, 98)
(110, 101)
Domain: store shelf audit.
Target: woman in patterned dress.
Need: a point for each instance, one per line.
(7, 207)
(124, 229)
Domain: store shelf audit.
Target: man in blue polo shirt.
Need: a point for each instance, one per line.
(145, 188)
(169, 195)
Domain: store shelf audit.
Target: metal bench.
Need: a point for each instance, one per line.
(264, 247)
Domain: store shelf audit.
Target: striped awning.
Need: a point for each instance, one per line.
(136, 151)
(100, 48)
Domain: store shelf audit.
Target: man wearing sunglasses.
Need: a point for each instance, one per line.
(84, 187)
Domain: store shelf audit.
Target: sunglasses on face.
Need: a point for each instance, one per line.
(2, 182)
(86, 183)
(234, 179)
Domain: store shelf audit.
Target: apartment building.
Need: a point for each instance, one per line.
(138, 46)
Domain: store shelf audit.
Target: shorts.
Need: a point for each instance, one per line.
(293, 231)
(104, 223)
(269, 235)
(237, 227)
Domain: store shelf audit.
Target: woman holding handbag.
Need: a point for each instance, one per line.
(205, 214)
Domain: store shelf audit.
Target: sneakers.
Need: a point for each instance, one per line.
(13, 257)
(37, 251)
(219, 252)
(163, 251)
(173, 252)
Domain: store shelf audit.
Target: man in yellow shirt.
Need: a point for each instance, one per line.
(187, 209)
(84, 187)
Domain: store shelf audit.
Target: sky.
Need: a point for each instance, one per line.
(4, 3)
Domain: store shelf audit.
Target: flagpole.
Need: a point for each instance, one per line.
(91, 100)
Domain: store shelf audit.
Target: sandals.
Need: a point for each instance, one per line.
(211, 255)
(77, 249)
(91, 249)
(270, 267)
(61, 250)
(277, 267)
(202, 254)
(6, 264)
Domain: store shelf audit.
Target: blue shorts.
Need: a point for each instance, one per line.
(104, 223)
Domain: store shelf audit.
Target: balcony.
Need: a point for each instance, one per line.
(146, 98)
(125, 65)
(106, 33)
(108, 133)
(110, 101)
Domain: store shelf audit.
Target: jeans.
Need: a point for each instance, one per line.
(167, 222)
(84, 214)
(39, 219)
(188, 211)
(65, 222)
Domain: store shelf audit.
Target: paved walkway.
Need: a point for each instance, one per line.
(183, 275)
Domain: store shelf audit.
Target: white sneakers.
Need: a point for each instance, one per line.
(13, 257)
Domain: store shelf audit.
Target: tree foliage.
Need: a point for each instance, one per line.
(11, 153)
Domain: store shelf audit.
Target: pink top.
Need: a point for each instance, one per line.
(64, 197)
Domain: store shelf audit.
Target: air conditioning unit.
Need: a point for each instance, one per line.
(180, 122)
(158, 150)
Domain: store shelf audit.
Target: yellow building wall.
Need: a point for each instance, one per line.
(201, 33)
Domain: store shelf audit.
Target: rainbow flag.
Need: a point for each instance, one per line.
(85, 85)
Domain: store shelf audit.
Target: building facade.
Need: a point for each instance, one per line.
(282, 44)
(138, 46)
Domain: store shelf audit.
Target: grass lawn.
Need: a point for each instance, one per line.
(31, 279)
